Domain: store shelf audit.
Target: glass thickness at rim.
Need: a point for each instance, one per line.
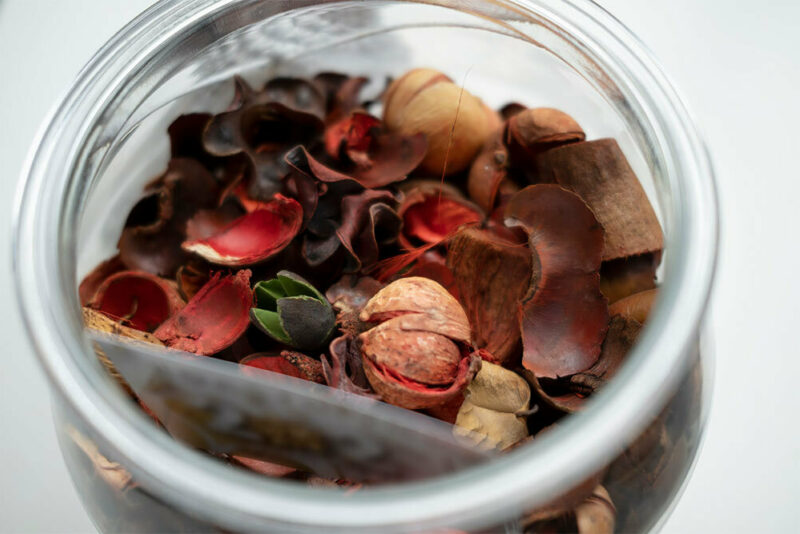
(477, 496)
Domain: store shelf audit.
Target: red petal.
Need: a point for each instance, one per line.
(137, 299)
(92, 281)
(215, 317)
(254, 237)
(433, 219)
(564, 317)
(353, 133)
(266, 362)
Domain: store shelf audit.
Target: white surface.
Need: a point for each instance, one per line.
(738, 66)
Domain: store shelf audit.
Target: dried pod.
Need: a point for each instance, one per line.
(254, 237)
(533, 131)
(90, 283)
(636, 306)
(595, 514)
(431, 211)
(214, 318)
(455, 123)
(292, 311)
(417, 356)
(488, 175)
(137, 299)
(491, 408)
(287, 363)
(625, 276)
(601, 175)
(492, 277)
(564, 316)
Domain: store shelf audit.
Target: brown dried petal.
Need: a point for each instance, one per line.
(564, 316)
(341, 93)
(492, 277)
(599, 172)
(351, 293)
(368, 221)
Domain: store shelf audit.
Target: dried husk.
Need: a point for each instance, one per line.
(253, 237)
(492, 277)
(532, 131)
(636, 306)
(137, 299)
(601, 175)
(625, 276)
(488, 176)
(214, 318)
(489, 413)
(564, 316)
(90, 283)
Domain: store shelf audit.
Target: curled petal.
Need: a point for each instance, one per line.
(253, 237)
(137, 299)
(564, 316)
(344, 370)
(92, 281)
(213, 319)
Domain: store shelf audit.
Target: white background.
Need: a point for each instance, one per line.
(738, 67)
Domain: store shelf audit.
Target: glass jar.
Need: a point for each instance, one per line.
(107, 138)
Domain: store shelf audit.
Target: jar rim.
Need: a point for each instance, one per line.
(557, 461)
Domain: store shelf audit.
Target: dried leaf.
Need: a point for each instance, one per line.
(599, 173)
(492, 277)
(564, 316)
(215, 317)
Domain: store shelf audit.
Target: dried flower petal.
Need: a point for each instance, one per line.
(600, 174)
(493, 400)
(137, 299)
(564, 316)
(351, 293)
(254, 237)
(341, 93)
(433, 266)
(292, 311)
(262, 467)
(432, 211)
(492, 277)
(215, 317)
(192, 276)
